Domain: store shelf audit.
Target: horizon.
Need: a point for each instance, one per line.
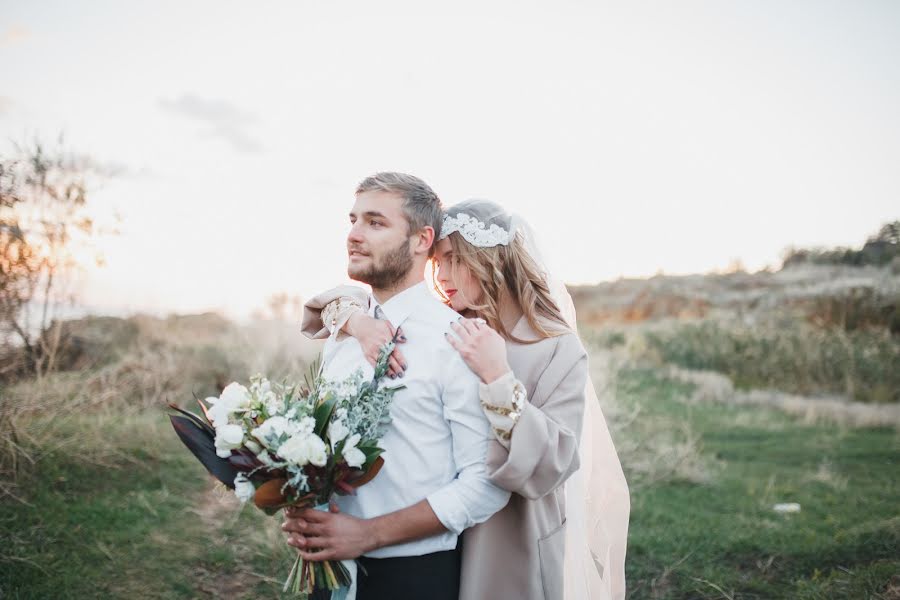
(637, 139)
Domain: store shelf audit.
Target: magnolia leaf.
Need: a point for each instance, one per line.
(323, 412)
(269, 495)
(204, 425)
(368, 475)
(202, 444)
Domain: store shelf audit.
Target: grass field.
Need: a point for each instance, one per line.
(103, 501)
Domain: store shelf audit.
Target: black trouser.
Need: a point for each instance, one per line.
(428, 577)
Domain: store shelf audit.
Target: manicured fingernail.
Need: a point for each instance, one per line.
(405, 367)
(392, 376)
(401, 374)
(402, 338)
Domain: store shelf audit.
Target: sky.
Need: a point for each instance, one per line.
(636, 137)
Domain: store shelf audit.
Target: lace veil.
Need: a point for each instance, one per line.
(597, 500)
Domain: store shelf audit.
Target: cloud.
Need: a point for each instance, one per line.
(221, 120)
(14, 35)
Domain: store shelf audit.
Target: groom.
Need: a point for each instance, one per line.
(404, 524)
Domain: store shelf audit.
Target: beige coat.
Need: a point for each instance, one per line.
(518, 554)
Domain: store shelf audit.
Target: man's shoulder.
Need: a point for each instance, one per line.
(436, 314)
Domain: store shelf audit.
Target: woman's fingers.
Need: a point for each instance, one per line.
(394, 367)
(460, 331)
(400, 358)
(469, 326)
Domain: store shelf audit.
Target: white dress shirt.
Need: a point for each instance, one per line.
(436, 444)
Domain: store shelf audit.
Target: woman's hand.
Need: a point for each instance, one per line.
(482, 348)
(372, 334)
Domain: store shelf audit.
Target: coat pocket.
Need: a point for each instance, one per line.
(551, 553)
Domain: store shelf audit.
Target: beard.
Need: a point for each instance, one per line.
(387, 270)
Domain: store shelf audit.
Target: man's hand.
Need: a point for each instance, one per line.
(372, 334)
(320, 535)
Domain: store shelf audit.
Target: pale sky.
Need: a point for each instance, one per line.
(635, 136)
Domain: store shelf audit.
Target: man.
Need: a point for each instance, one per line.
(404, 524)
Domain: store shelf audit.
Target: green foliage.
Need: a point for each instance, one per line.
(879, 249)
(790, 356)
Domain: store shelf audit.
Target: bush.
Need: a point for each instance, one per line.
(791, 356)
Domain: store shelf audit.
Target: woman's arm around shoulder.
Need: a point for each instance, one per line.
(539, 450)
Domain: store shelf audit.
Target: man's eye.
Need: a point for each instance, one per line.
(377, 224)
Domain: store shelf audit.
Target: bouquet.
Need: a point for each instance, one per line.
(284, 444)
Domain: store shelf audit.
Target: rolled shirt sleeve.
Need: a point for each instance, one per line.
(471, 497)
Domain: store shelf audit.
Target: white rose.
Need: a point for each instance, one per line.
(318, 451)
(302, 449)
(353, 455)
(234, 398)
(243, 488)
(228, 438)
(337, 431)
(272, 428)
(295, 450)
(236, 395)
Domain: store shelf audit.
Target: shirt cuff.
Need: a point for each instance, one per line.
(448, 509)
(503, 401)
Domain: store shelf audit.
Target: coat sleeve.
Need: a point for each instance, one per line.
(336, 304)
(542, 451)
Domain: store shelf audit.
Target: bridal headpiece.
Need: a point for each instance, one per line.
(482, 223)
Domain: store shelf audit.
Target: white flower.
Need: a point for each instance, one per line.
(353, 455)
(306, 426)
(318, 451)
(228, 438)
(302, 449)
(274, 405)
(243, 489)
(273, 428)
(337, 431)
(234, 398)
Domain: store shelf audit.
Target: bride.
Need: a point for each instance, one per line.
(563, 533)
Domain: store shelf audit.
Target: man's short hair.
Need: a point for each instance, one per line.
(421, 205)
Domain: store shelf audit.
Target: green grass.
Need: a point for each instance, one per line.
(145, 521)
(152, 525)
(721, 539)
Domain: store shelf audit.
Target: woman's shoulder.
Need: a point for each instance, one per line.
(565, 344)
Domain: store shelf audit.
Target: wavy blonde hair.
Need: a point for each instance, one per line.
(507, 269)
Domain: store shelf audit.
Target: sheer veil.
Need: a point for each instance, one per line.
(597, 499)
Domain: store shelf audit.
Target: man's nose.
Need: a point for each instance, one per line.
(355, 234)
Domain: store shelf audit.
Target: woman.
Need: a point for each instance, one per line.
(533, 368)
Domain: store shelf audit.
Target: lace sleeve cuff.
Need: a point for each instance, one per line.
(337, 312)
(503, 401)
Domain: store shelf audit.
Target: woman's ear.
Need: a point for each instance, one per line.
(424, 240)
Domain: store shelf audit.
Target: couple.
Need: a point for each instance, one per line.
(500, 478)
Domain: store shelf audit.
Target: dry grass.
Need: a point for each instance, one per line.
(166, 360)
(651, 450)
(710, 386)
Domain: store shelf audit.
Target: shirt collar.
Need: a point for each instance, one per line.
(400, 306)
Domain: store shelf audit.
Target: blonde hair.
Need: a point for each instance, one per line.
(507, 269)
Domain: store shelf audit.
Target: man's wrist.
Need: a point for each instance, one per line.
(376, 535)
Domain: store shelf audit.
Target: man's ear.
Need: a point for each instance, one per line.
(424, 240)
